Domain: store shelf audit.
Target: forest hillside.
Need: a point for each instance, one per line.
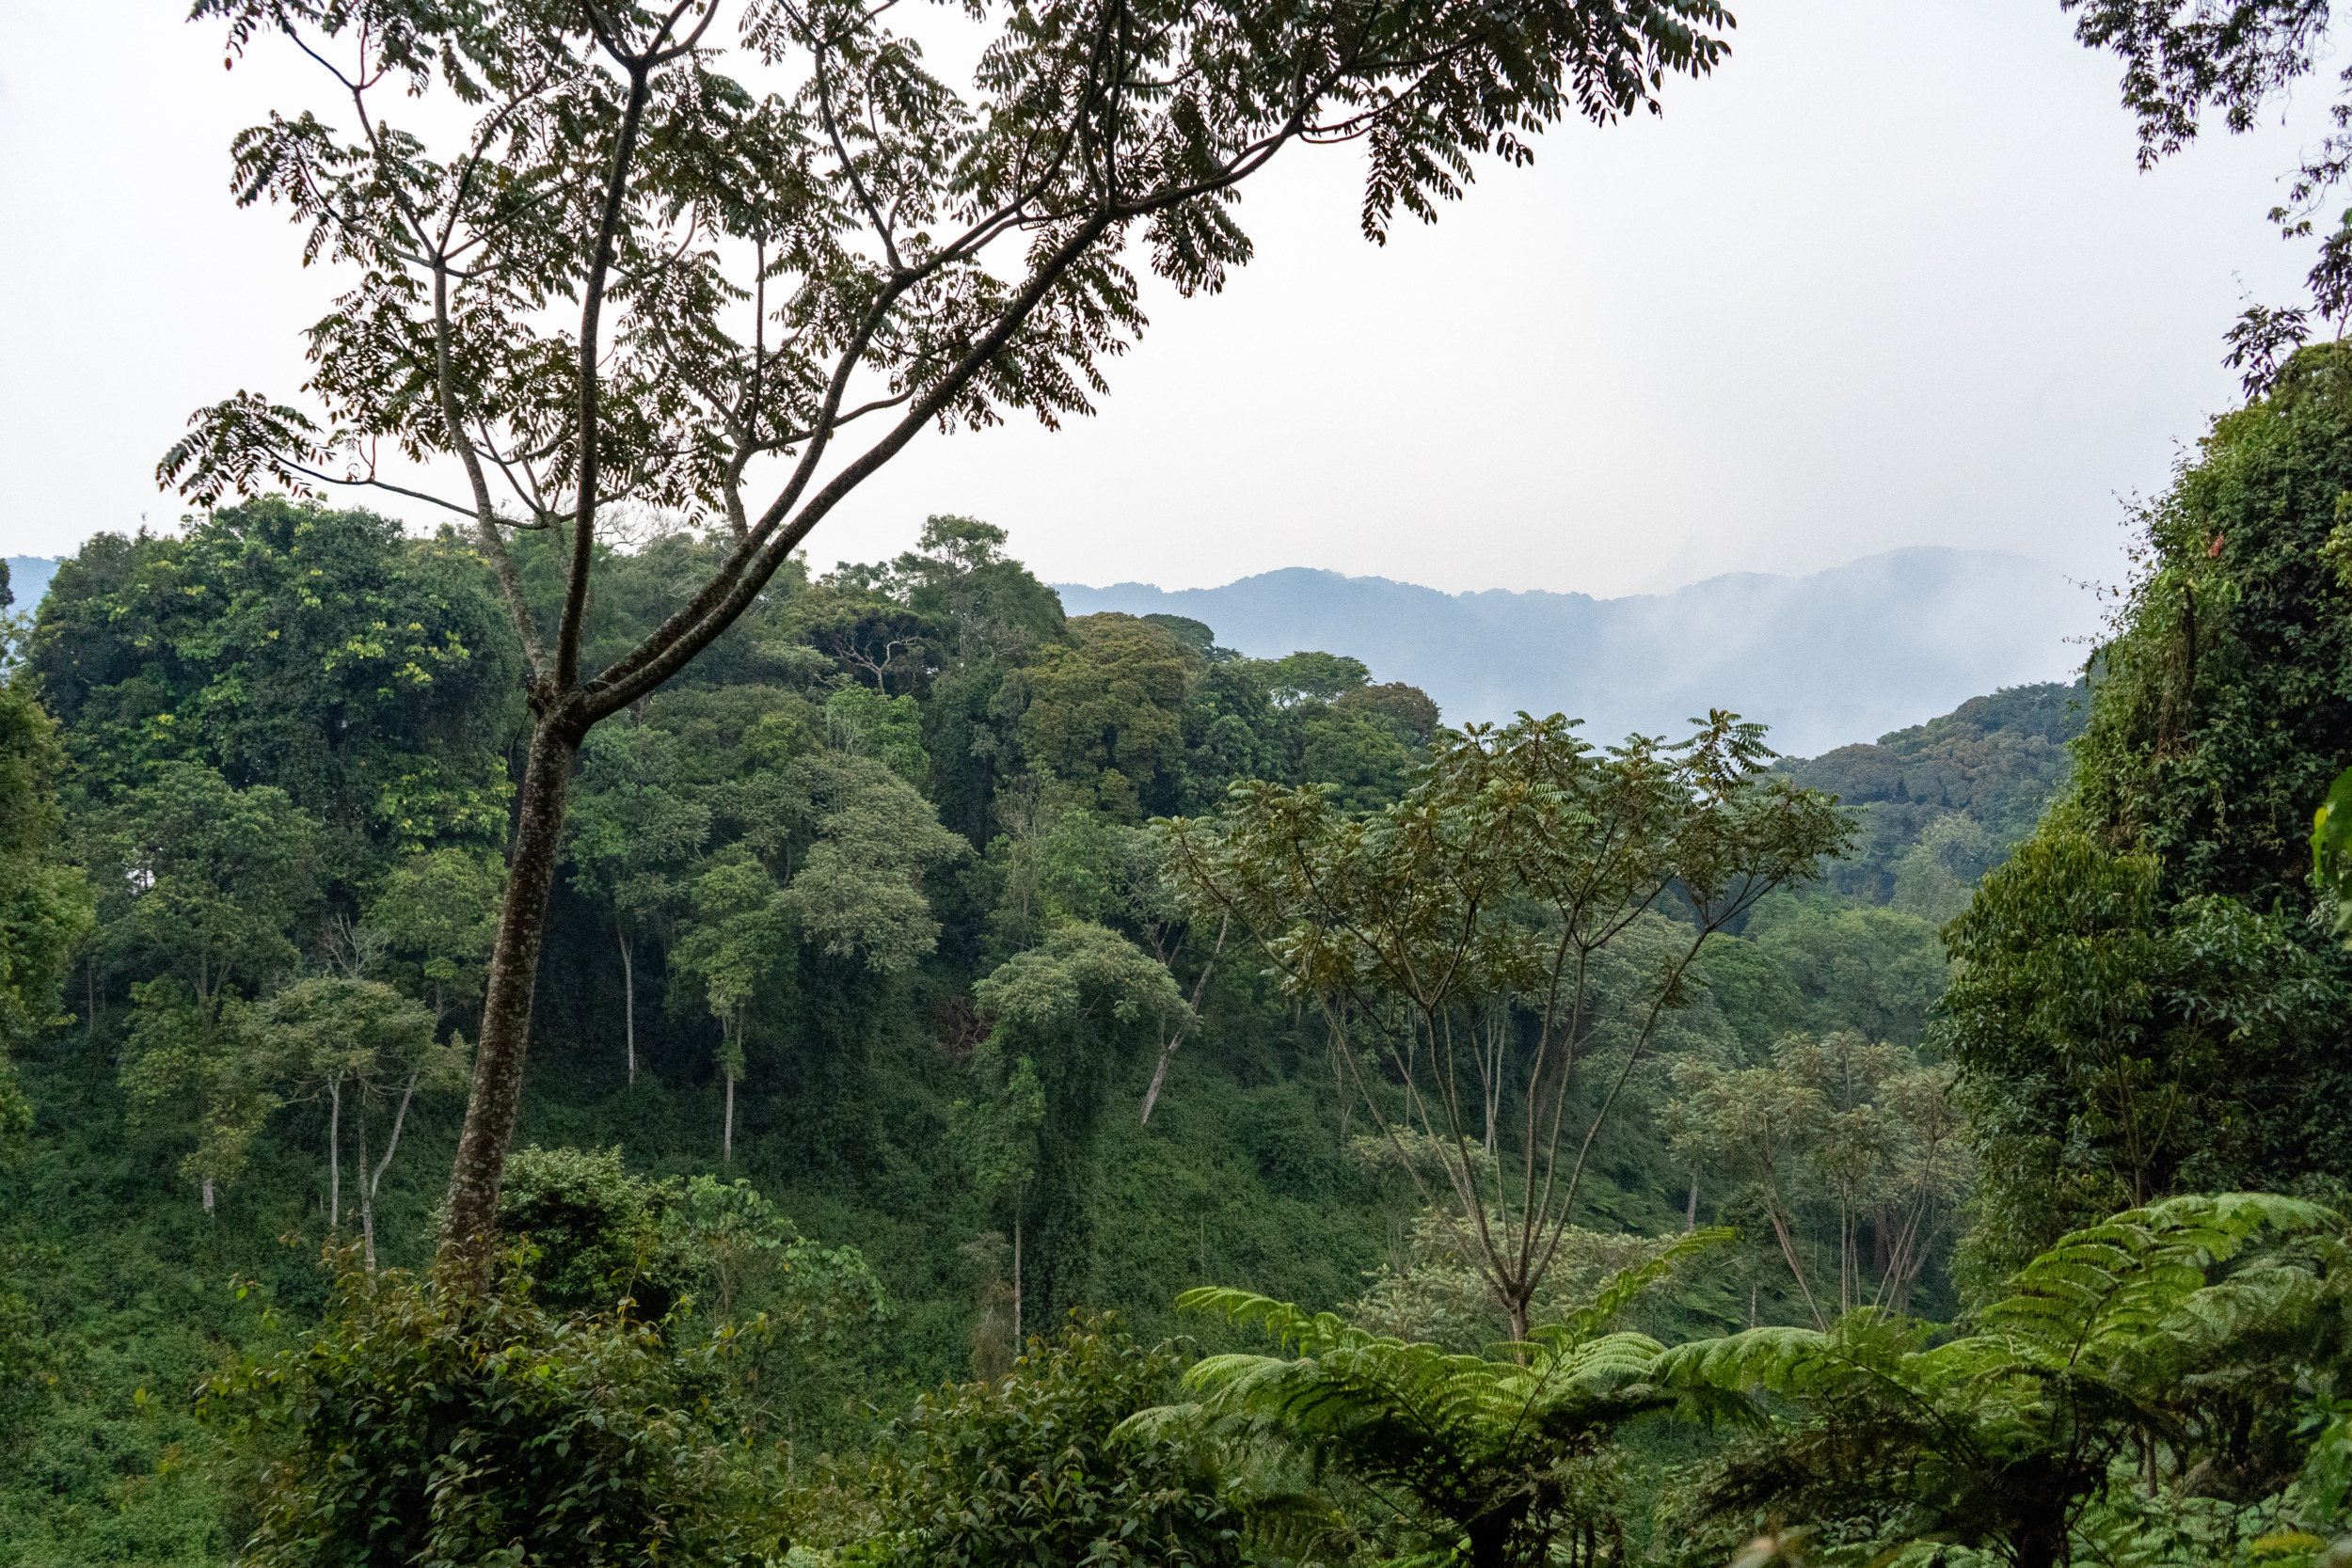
(958, 1015)
(1910, 632)
(789, 880)
(571, 1039)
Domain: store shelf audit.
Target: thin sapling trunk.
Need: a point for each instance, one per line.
(334, 1155)
(628, 1003)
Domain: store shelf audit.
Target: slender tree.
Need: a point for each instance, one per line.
(998, 1139)
(629, 831)
(736, 930)
(361, 1041)
(611, 272)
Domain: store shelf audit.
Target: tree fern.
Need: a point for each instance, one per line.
(1492, 1450)
(2147, 1326)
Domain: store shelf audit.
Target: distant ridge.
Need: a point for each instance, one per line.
(1841, 655)
(28, 578)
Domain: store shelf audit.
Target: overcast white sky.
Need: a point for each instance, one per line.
(1890, 278)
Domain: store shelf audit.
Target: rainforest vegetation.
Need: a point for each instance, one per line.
(571, 1038)
(958, 1019)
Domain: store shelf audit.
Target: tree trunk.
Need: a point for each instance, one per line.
(1690, 1209)
(495, 1093)
(208, 1195)
(1789, 1252)
(1159, 1074)
(334, 1155)
(371, 1179)
(726, 1136)
(1168, 1046)
(2039, 1547)
(1488, 1541)
(367, 1204)
(629, 1002)
(1016, 1282)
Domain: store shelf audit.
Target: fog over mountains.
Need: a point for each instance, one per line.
(1842, 656)
(28, 578)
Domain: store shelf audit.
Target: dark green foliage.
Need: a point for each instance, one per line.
(1363, 760)
(1813, 966)
(635, 590)
(1072, 1007)
(204, 880)
(2116, 1050)
(432, 1421)
(773, 758)
(596, 1230)
(2147, 1007)
(1406, 707)
(2189, 1322)
(2224, 702)
(1192, 634)
(1032, 1469)
(1505, 1454)
(1233, 731)
(1969, 783)
(1104, 715)
(44, 906)
(370, 676)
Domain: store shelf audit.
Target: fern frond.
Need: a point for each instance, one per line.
(1626, 1286)
(1309, 1332)
(2104, 1288)
(1300, 1526)
(1168, 1422)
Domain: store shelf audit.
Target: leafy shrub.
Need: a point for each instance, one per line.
(444, 1419)
(596, 1228)
(1026, 1469)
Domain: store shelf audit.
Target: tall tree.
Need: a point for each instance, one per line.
(1106, 714)
(204, 881)
(624, 276)
(1507, 874)
(44, 904)
(202, 888)
(996, 1135)
(1861, 1128)
(1071, 1008)
(736, 932)
(2144, 1004)
(833, 851)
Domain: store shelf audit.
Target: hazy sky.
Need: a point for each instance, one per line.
(1889, 279)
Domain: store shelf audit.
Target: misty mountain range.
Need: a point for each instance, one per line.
(1841, 655)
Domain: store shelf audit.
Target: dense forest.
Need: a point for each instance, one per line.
(799, 882)
(574, 1040)
(939, 989)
